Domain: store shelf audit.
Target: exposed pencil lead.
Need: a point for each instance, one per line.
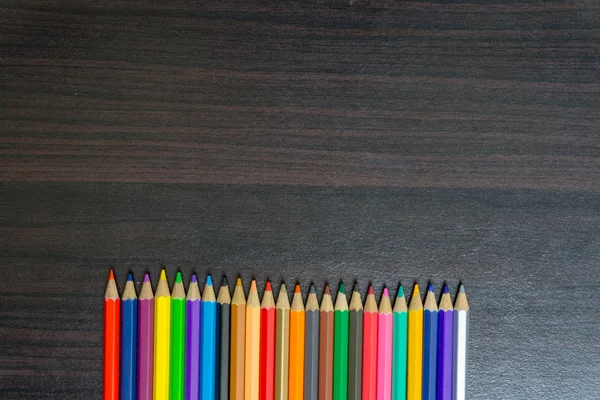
(446, 289)
(371, 290)
(209, 280)
(130, 277)
(416, 290)
(238, 282)
(326, 290)
(385, 292)
(297, 290)
(147, 278)
(312, 289)
(163, 275)
(342, 289)
(461, 288)
(253, 284)
(111, 275)
(268, 286)
(430, 288)
(194, 279)
(400, 292)
(224, 281)
(178, 277)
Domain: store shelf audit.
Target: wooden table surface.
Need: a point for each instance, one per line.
(383, 141)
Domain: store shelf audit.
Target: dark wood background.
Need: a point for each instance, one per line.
(391, 141)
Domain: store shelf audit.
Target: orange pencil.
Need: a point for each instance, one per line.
(112, 319)
(296, 369)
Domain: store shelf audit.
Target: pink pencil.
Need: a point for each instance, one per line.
(384, 348)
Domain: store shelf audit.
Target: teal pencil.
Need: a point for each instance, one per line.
(399, 345)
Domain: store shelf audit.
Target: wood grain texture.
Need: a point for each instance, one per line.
(414, 94)
(391, 141)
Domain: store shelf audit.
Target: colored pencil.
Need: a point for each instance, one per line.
(370, 324)
(267, 345)
(296, 358)
(461, 346)
(145, 341)
(430, 331)
(112, 320)
(129, 341)
(252, 359)
(311, 347)
(326, 321)
(282, 343)
(238, 338)
(208, 342)
(414, 373)
(400, 316)
(192, 341)
(384, 347)
(177, 339)
(340, 346)
(444, 350)
(355, 343)
(162, 339)
(224, 313)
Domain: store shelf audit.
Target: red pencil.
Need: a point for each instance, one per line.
(112, 318)
(267, 345)
(370, 321)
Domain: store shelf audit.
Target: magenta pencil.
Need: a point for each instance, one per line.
(384, 348)
(192, 342)
(145, 340)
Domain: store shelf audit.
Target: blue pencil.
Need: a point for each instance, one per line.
(129, 341)
(430, 334)
(208, 342)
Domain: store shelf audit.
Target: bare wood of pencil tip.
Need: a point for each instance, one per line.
(253, 301)
(146, 291)
(193, 292)
(111, 290)
(283, 301)
(326, 302)
(415, 301)
(461, 302)
(430, 303)
(162, 290)
(355, 302)
(178, 291)
(129, 291)
(238, 294)
(446, 302)
(297, 303)
(209, 294)
(224, 296)
(385, 307)
(341, 302)
(268, 300)
(312, 303)
(400, 304)
(371, 304)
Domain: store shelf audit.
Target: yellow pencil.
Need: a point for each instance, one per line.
(238, 333)
(162, 338)
(296, 369)
(252, 358)
(414, 374)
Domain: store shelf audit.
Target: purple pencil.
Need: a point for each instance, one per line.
(444, 346)
(145, 340)
(192, 341)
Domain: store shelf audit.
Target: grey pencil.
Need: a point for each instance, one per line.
(355, 341)
(223, 305)
(311, 347)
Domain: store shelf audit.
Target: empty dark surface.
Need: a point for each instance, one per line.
(374, 141)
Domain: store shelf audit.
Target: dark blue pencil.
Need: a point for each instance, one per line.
(208, 342)
(129, 341)
(430, 334)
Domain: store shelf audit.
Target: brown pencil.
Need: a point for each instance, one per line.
(238, 337)
(326, 318)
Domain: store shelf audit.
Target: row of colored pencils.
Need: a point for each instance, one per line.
(173, 345)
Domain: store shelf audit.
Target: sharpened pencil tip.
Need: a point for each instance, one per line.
(238, 282)
(163, 275)
(268, 286)
(371, 290)
(385, 292)
(430, 288)
(312, 289)
(178, 278)
(297, 290)
(111, 275)
(130, 277)
(194, 278)
(326, 290)
(342, 289)
(400, 292)
(224, 281)
(461, 289)
(209, 280)
(416, 289)
(147, 278)
(446, 289)
(253, 284)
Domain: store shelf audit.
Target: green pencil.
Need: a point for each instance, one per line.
(340, 346)
(177, 339)
(399, 344)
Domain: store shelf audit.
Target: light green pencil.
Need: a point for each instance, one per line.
(399, 344)
(177, 339)
(340, 346)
